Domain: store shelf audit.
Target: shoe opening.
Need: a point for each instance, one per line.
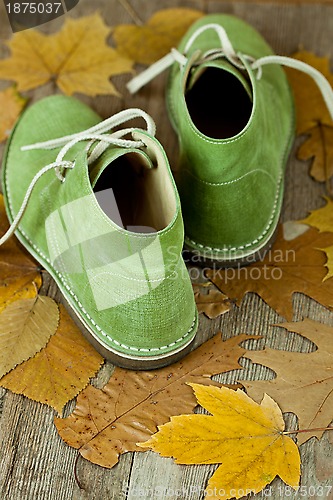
(218, 103)
(135, 196)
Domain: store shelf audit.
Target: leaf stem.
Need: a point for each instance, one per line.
(35, 287)
(75, 472)
(308, 430)
(129, 9)
(325, 160)
(205, 284)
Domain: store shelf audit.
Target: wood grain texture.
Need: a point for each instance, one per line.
(34, 462)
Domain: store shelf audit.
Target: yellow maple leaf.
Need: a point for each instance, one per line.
(310, 105)
(146, 44)
(329, 264)
(313, 117)
(11, 105)
(58, 372)
(20, 275)
(77, 58)
(246, 437)
(321, 218)
(26, 326)
(132, 404)
(319, 147)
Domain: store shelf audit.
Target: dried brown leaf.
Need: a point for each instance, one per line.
(304, 381)
(212, 304)
(110, 421)
(245, 437)
(296, 265)
(313, 118)
(329, 264)
(322, 219)
(319, 146)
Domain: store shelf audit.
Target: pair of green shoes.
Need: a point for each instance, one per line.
(97, 205)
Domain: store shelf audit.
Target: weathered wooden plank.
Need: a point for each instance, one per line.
(34, 462)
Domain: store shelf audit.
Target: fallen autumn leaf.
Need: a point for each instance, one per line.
(20, 275)
(321, 218)
(294, 265)
(146, 44)
(77, 58)
(26, 326)
(212, 304)
(110, 421)
(59, 371)
(304, 381)
(313, 118)
(245, 437)
(11, 105)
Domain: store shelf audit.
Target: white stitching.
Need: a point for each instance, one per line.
(199, 134)
(88, 317)
(159, 280)
(233, 181)
(258, 239)
(223, 141)
(173, 223)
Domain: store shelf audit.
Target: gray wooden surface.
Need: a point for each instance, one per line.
(34, 462)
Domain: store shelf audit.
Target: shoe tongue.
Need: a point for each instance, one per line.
(224, 65)
(110, 155)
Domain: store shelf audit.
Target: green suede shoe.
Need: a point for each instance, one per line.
(100, 211)
(231, 106)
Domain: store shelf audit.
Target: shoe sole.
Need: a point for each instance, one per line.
(129, 362)
(191, 256)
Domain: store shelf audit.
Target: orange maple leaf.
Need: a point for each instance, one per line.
(313, 117)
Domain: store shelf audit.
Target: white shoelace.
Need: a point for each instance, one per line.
(96, 134)
(227, 51)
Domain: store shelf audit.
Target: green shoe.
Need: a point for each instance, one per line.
(99, 210)
(231, 106)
